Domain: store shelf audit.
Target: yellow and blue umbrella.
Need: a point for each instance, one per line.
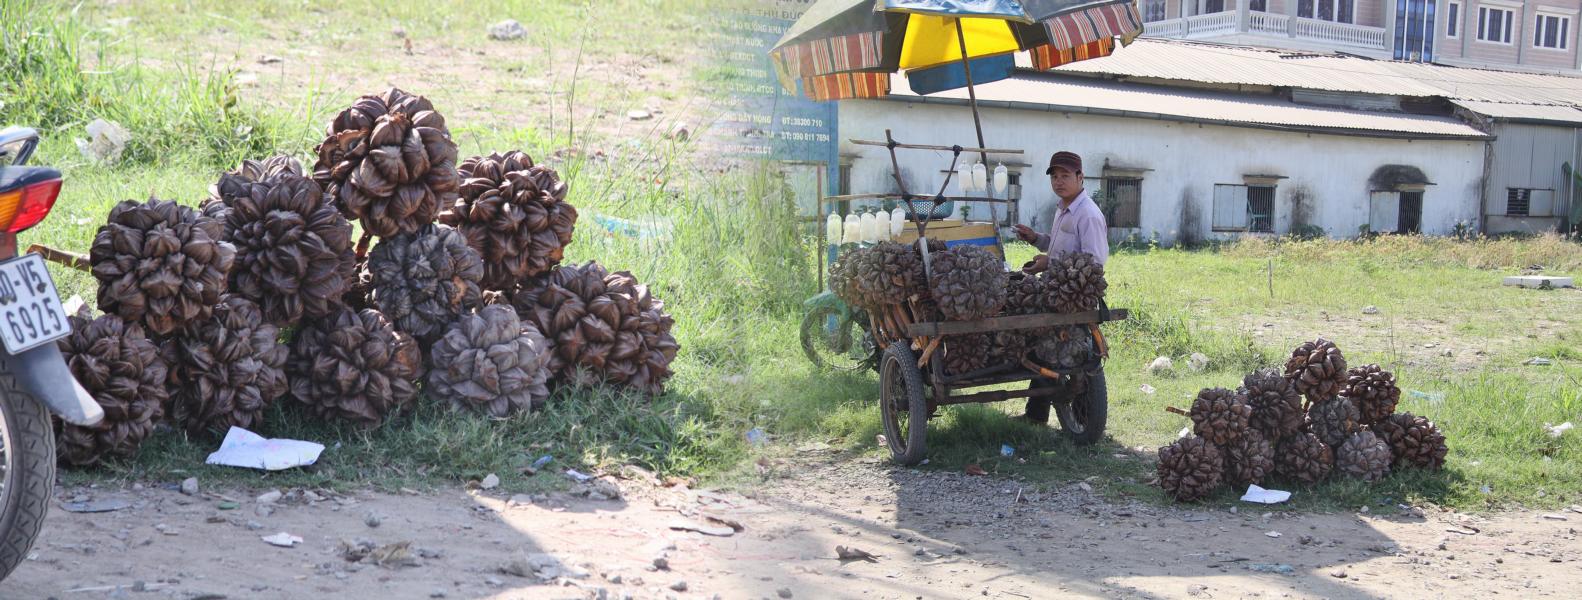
(844, 49)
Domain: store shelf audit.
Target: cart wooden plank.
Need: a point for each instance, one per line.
(1011, 323)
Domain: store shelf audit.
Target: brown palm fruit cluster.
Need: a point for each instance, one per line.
(1318, 369)
(966, 353)
(388, 161)
(1008, 346)
(1249, 459)
(1079, 278)
(126, 375)
(159, 264)
(1364, 456)
(1029, 293)
(1334, 420)
(601, 324)
(1220, 415)
(889, 273)
(354, 366)
(968, 283)
(514, 213)
(1063, 348)
(1276, 405)
(226, 368)
(491, 362)
(1374, 392)
(843, 280)
(293, 249)
(1414, 441)
(1190, 469)
(424, 281)
(1302, 457)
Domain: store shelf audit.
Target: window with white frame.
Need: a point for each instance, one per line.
(1551, 31)
(1494, 24)
(1243, 208)
(1153, 10)
(1453, 20)
(1338, 11)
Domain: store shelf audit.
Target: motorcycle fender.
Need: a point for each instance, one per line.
(825, 300)
(42, 372)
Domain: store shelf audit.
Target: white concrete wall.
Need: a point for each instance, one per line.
(1186, 161)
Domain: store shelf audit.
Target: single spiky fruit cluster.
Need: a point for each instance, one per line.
(1031, 293)
(1080, 280)
(968, 283)
(1317, 369)
(1374, 392)
(1276, 405)
(491, 362)
(1220, 415)
(1063, 348)
(126, 375)
(293, 248)
(514, 213)
(1334, 420)
(601, 324)
(354, 366)
(1364, 456)
(1007, 347)
(227, 368)
(1414, 441)
(1303, 458)
(1249, 459)
(1190, 469)
(892, 273)
(966, 353)
(160, 265)
(389, 162)
(424, 281)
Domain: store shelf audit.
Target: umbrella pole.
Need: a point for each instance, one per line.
(977, 123)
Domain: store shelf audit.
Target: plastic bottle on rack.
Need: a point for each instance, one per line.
(870, 228)
(852, 233)
(897, 221)
(980, 178)
(881, 220)
(832, 229)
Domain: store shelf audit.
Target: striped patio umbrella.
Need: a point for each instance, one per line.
(844, 49)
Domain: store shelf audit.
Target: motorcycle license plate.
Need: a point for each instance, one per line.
(30, 310)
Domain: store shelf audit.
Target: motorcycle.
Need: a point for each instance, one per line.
(34, 378)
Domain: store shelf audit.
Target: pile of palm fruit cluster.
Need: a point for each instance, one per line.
(1315, 420)
(264, 292)
(969, 283)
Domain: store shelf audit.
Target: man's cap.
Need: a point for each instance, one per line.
(1064, 159)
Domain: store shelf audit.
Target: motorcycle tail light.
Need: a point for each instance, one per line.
(24, 207)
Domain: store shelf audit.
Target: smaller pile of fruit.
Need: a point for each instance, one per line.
(1264, 430)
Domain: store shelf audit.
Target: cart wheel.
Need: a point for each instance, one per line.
(902, 404)
(1083, 416)
(835, 342)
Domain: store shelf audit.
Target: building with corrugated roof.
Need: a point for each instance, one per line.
(1190, 141)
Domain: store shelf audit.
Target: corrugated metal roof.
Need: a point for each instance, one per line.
(1222, 64)
(1524, 112)
(1137, 100)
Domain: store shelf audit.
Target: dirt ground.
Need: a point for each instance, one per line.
(932, 535)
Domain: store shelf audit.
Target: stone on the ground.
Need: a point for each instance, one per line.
(1161, 365)
(189, 486)
(506, 30)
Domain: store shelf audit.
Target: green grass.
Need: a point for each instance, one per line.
(733, 272)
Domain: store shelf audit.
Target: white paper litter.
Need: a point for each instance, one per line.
(577, 475)
(243, 448)
(282, 539)
(106, 140)
(1262, 496)
(1558, 430)
(1147, 389)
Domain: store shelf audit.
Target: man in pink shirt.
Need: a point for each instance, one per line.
(1079, 227)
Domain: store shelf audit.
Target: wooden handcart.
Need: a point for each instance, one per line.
(913, 383)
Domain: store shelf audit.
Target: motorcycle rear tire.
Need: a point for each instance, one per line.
(29, 473)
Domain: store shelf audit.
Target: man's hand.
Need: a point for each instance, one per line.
(1039, 264)
(1026, 234)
